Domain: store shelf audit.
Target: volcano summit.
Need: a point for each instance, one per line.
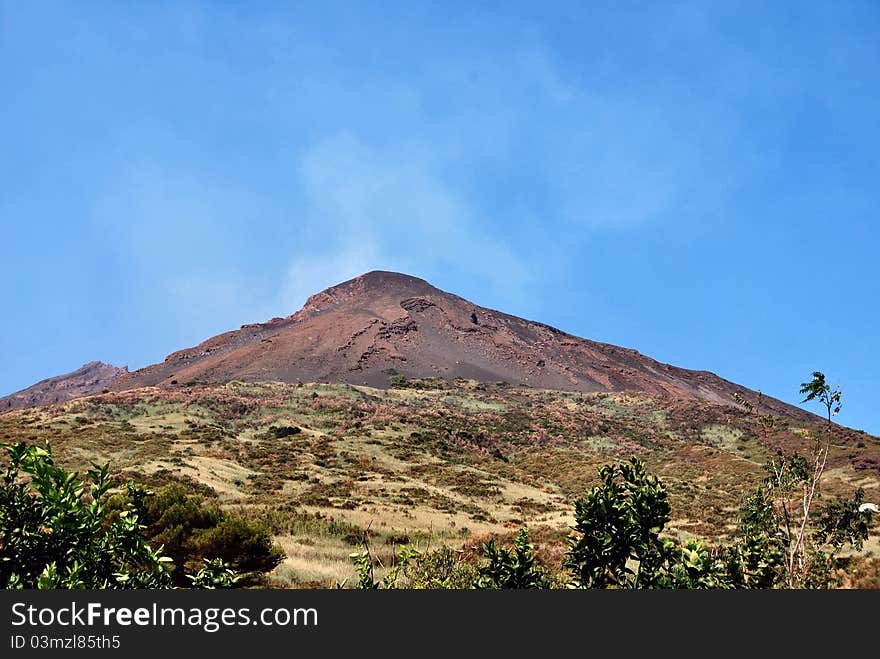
(385, 323)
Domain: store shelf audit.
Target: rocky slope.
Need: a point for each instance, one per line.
(88, 379)
(385, 324)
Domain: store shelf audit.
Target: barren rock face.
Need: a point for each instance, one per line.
(357, 331)
(92, 378)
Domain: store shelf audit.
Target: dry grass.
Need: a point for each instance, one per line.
(437, 464)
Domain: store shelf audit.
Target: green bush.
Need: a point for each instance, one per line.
(618, 527)
(511, 568)
(193, 530)
(55, 531)
(245, 545)
(280, 432)
(441, 568)
(215, 574)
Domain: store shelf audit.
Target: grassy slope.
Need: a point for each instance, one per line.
(440, 465)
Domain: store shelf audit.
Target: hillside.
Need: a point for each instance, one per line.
(429, 462)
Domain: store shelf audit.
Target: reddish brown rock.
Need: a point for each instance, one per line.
(91, 378)
(356, 331)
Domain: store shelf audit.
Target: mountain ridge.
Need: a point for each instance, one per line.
(88, 379)
(381, 324)
(359, 330)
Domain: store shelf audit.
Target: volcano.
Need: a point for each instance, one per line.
(382, 325)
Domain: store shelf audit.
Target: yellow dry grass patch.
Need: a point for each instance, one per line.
(722, 437)
(394, 518)
(324, 560)
(864, 480)
(226, 477)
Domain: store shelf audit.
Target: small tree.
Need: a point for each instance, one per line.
(514, 568)
(785, 533)
(755, 559)
(784, 539)
(618, 527)
(818, 389)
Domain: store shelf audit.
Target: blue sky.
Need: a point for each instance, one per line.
(696, 180)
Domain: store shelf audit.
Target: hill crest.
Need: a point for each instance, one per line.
(88, 379)
(383, 323)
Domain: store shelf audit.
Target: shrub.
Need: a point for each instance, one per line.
(245, 545)
(513, 568)
(441, 568)
(55, 531)
(618, 525)
(215, 574)
(280, 432)
(193, 530)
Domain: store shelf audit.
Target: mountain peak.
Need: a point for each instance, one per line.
(380, 277)
(385, 322)
(366, 289)
(88, 379)
(382, 282)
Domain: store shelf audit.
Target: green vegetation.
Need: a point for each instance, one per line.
(58, 530)
(818, 389)
(618, 523)
(441, 568)
(54, 530)
(214, 575)
(444, 469)
(514, 568)
(618, 543)
(194, 532)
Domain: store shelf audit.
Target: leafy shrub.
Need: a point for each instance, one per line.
(511, 568)
(193, 530)
(618, 525)
(280, 432)
(215, 574)
(441, 568)
(244, 544)
(55, 531)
